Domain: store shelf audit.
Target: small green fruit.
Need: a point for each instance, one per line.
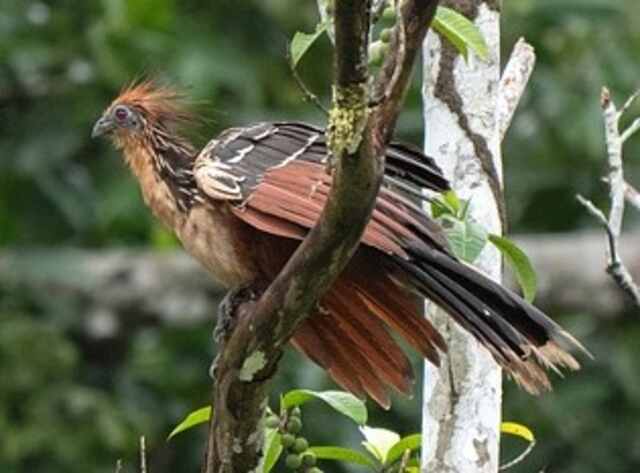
(309, 459)
(293, 461)
(296, 412)
(376, 53)
(300, 445)
(273, 422)
(294, 425)
(288, 440)
(385, 35)
(389, 14)
(315, 469)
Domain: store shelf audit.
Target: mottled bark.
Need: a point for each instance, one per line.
(462, 398)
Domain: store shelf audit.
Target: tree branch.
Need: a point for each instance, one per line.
(513, 82)
(262, 325)
(618, 192)
(632, 195)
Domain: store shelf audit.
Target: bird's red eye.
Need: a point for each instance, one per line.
(121, 114)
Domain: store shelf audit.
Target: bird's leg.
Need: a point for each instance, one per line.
(227, 310)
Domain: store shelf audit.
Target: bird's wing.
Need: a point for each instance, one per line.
(276, 176)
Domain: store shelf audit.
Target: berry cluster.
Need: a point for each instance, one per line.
(380, 48)
(298, 456)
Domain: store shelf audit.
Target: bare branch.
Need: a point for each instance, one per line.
(629, 132)
(627, 105)
(600, 216)
(143, 455)
(513, 83)
(618, 191)
(615, 267)
(632, 195)
(260, 325)
(614, 151)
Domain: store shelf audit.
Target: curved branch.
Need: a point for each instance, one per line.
(357, 138)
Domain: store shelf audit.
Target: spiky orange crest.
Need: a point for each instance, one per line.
(160, 103)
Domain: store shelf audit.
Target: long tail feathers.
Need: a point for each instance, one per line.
(520, 337)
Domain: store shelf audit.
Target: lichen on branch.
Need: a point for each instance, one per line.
(347, 118)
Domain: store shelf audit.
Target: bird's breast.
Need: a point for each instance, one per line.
(212, 236)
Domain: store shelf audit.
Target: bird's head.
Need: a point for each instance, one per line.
(141, 109)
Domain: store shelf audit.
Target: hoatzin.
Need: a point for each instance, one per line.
(243, 203)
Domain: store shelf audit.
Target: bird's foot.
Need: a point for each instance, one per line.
(227, 314)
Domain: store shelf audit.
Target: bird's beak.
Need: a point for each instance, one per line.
(102, 127)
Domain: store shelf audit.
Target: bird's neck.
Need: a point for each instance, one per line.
(163, 167)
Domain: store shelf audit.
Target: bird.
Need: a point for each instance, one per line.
(242, 204)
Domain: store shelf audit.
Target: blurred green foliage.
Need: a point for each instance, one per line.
(69, 403)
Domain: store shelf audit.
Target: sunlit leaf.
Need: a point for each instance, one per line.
(345, 403)
(379, 441)
(448, 203)
(346, 455)
(519, 430)
(301, 43)
(519, 261)
(452, 199)
(194, 418)
(410, 442)
(461, 32)
(273, 449)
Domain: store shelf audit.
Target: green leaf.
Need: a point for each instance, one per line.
(519, 430)
(447, 203)
(453, 201)
(273, 447)
(346, 455)
(525, 274)
(301, 43)
(194, 418)
(410, 442)
(467, 238)
(345, 403)
(379, 441)
(461, 32)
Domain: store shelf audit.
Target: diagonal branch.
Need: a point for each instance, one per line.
(261, 325)
(632, 195)
(513, 82)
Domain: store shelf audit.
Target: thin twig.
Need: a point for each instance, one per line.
(627, 105)
(629, 132)
(600, 216)
(519, 458)
(143, 455)
(405, 461)
(632, 195)
(615, 267)
(514, 82)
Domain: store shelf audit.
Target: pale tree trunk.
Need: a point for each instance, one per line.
(462, 399)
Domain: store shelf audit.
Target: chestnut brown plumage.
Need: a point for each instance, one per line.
(243, 203)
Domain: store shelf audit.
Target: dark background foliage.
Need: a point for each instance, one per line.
(73, 402)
